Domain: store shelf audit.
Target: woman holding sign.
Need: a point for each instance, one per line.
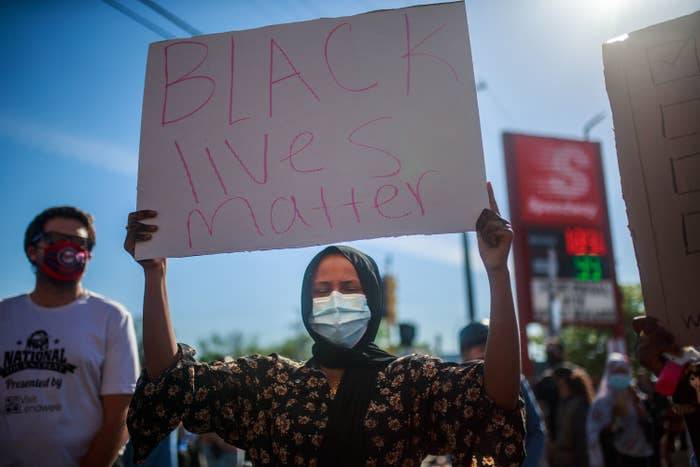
(352, 404)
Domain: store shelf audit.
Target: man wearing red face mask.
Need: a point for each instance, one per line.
(69, 363)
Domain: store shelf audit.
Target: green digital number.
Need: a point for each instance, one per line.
(588, 268)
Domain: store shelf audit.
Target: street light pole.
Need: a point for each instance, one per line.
(596, 119)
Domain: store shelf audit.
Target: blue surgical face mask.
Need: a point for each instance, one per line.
(341, 319)
(619, 381)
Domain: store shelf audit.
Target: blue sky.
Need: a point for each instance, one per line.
(71, 92)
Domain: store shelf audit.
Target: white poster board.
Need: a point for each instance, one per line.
(653, 80)
(312, 133)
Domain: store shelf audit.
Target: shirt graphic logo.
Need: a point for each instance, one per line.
(28, 403)
(13, 404)
(37, 354)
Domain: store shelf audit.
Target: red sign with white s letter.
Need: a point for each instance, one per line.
(559, 181)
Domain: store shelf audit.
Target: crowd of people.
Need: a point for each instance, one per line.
(625, 422)
(70, 373)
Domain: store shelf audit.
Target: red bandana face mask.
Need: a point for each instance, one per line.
(65, 261)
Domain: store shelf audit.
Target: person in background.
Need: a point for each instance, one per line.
(407, 337)
(676, 368)
(188, 452)
(164, 455)
(545, 389)
(70, 360)
(575, 393)
(618, 412)
(472, 344)
(666, 425)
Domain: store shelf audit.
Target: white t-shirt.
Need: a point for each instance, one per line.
(56, 363)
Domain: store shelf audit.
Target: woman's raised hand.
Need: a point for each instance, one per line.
(495, 235)
(502, 362)
(137, 231)
(159, 343)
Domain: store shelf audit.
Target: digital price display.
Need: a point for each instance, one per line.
(583, 241)
(580, 252)
(588, 268)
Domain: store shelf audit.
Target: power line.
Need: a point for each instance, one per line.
(172, 18)
(140, 19)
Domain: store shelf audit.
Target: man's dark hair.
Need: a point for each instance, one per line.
(36, 226)
(577, 380)
(556, 353)
(471, 335)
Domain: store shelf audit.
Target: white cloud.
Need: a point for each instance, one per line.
(50, 140)
(445, 248)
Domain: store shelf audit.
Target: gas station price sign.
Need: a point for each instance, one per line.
(562, 242)
(580, 252)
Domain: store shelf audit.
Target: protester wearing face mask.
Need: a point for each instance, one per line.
(70, 363)
(352, 404)
(618, 427)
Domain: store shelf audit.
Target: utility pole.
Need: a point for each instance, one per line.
(471, 308)
(553, 295)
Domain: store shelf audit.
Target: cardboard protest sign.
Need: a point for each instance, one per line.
(312, 133)
(653, 80)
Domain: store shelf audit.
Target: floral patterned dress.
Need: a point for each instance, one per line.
(277, 410)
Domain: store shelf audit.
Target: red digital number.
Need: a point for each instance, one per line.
(582, 241)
